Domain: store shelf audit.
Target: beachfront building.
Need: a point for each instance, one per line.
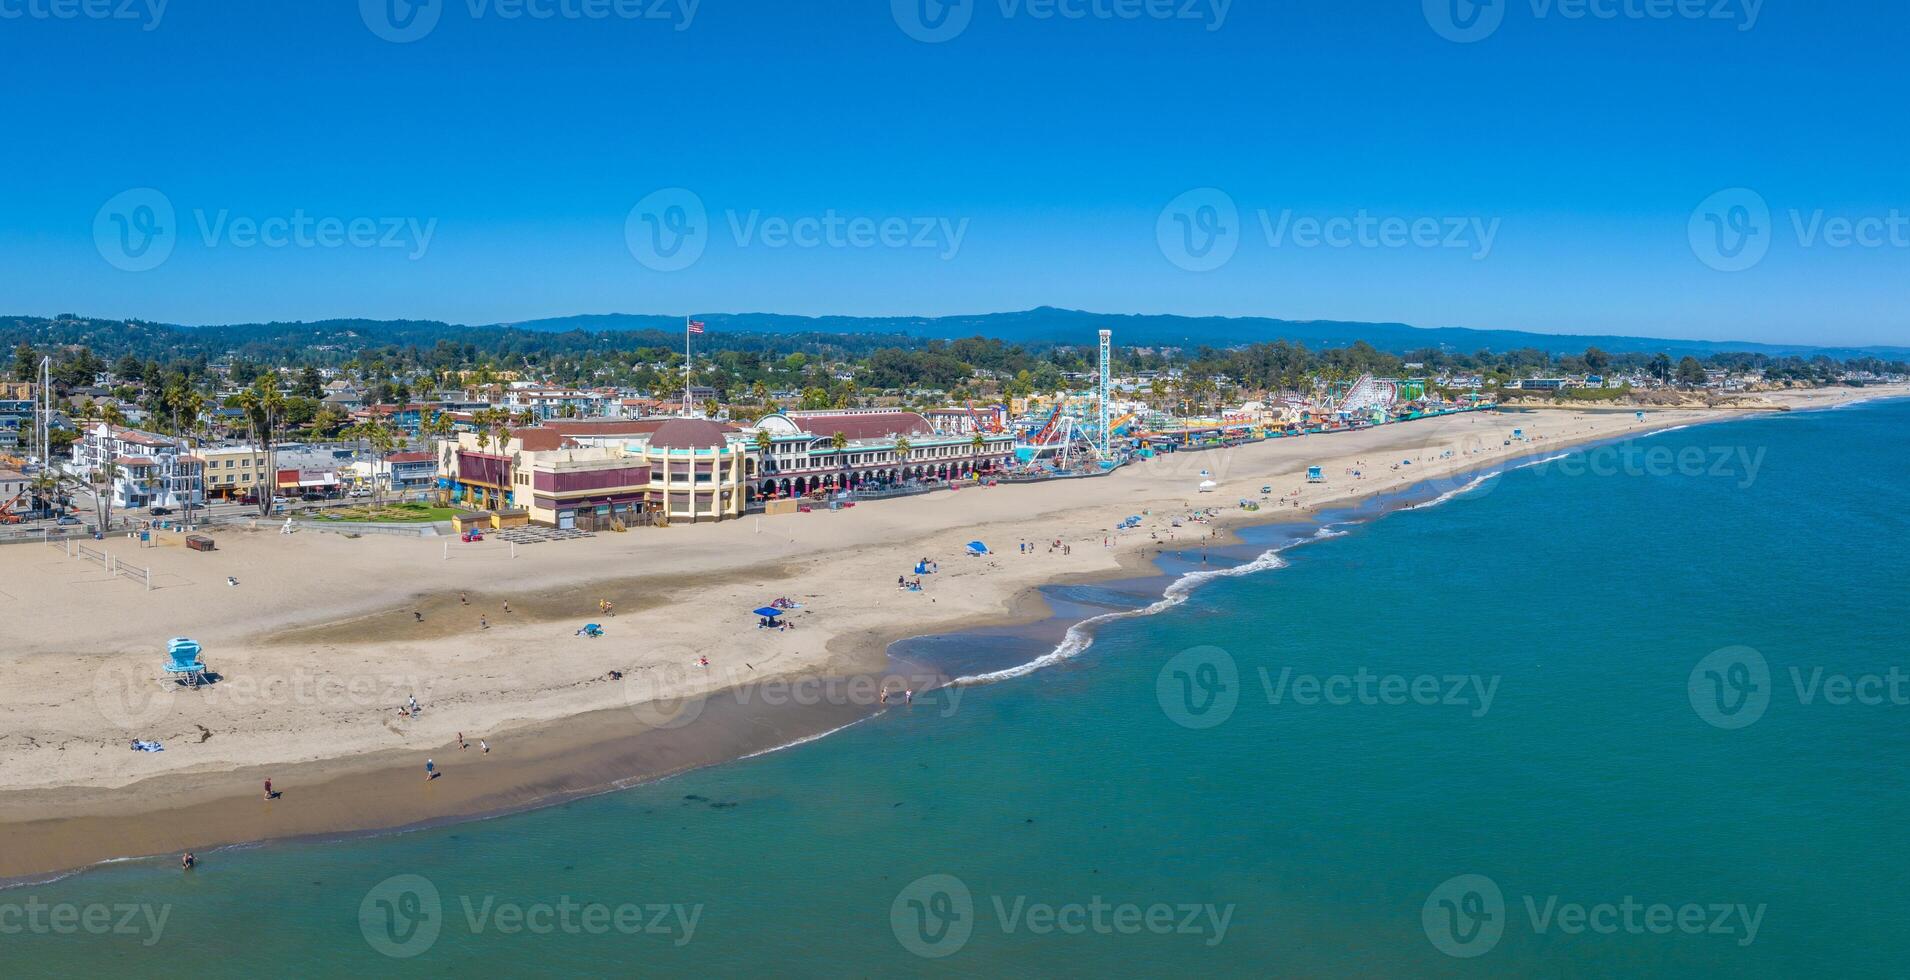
(232, 471)
(879, 448)
(403, 471)
(13, 486)
(148, 470)
(591, 474)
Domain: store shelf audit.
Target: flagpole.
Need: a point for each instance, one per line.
(686, 367)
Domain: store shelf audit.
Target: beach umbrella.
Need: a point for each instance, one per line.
(769, 611)
(976, 547)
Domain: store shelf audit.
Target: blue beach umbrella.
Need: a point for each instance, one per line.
(770, 611)
(977, 548)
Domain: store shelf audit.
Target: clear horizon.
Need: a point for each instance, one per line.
(1546, 169)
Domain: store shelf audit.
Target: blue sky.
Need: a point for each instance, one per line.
(1559, 173)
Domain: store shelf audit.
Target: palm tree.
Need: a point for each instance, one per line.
(435, 424)
(902, 447)
(262, 404)
(494, 432)
(381, 437)
(840, 442)
(103, 480)
(979, 443)
(193, 405)
(765, 443)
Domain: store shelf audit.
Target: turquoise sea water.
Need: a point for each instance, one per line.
(1102, 815)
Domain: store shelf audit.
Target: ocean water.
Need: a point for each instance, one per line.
(1637, 711)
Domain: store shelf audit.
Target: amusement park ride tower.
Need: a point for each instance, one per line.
(1107, 365)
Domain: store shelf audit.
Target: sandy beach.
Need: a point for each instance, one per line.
(325, 636)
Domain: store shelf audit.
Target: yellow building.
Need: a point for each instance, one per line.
(232, 471)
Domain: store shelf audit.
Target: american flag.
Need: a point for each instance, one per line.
(696, 326)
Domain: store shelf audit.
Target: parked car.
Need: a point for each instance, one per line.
(311, 497)
(67, 519)
(161, 511)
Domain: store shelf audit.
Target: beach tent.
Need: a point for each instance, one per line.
(1207, 485)
(977, 548)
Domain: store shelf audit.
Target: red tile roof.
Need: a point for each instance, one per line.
(874, 425)
(410, 458)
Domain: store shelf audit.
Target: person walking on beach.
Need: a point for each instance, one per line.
(268, 789)
(464, 598)
(483, 624)
(419, 616)
(430, 770)
(507, 608)
(484, 747)
(461, 741)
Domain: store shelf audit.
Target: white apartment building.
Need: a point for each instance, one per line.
(150, 470)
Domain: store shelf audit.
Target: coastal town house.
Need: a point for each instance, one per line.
(16, 414)
(551, 403)
(147, 469)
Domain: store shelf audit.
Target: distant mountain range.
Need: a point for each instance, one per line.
(1048, 325)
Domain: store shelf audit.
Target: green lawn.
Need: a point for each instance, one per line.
(390, 514)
